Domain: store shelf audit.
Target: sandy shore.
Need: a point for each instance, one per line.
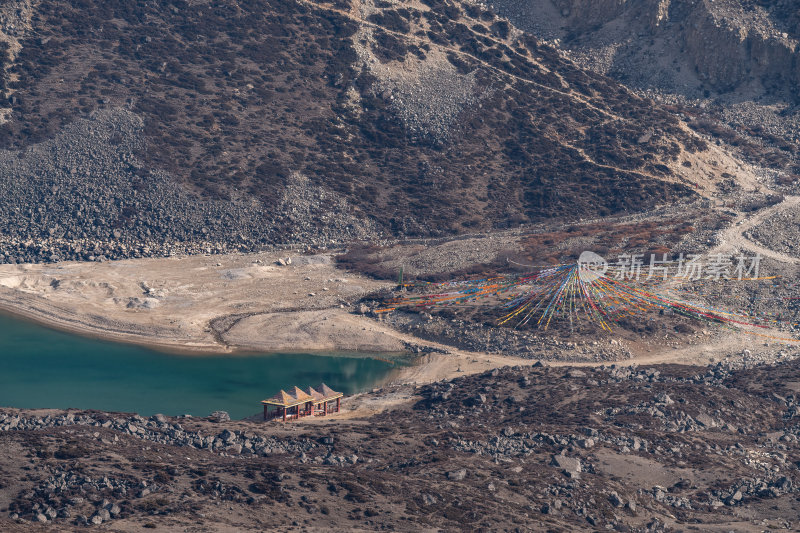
(250, 303)
(201, 304)
(223, 304)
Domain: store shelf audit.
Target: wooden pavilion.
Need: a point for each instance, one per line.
(318, 401)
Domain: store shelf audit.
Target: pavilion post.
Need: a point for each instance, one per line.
(265, 411)
(337, 404)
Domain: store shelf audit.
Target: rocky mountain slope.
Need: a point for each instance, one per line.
(691, 48)
(312, 122)
(727, 62)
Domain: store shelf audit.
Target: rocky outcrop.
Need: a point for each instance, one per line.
(730, 48)
(684, 47)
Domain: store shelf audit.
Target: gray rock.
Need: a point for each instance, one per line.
(567, 464)
(227, 436)
(221, 416)
(476, 400)
(428, 499)
(734, 498)
(457, 475)
(705, 420)
(615, 500)
(664, 399)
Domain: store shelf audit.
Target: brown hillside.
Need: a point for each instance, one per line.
(429, 118)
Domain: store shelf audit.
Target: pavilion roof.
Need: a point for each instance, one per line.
(314, 394)
(327, 392)
(298, 396)
(284, 399)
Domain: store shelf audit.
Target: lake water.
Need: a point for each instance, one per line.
(40, 367)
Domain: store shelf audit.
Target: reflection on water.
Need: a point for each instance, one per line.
(40, 367)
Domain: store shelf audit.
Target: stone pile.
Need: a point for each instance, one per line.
(84, 195)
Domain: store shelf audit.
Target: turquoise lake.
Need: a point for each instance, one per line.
(40, 367)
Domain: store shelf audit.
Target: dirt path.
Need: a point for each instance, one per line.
(733, 237)
(436, 367)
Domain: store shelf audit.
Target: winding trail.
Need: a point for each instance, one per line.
(733, 237)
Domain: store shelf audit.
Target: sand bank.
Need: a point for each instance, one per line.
(212, 304)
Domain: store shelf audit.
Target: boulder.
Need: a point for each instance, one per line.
(734, 498)
(664, 399)
(221, 416)
(457, 475)
(615, 500)
(479, 399)
(569, 465)
(705, 420)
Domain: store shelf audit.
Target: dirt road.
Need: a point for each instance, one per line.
(733, 237)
